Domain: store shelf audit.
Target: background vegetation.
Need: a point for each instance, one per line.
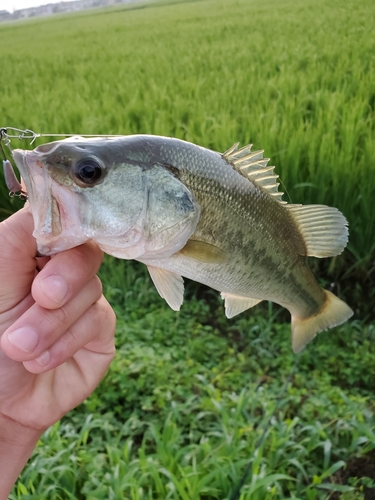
(187, 398)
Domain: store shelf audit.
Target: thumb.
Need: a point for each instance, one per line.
(17, 258)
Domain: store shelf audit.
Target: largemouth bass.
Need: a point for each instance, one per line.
(186, 211)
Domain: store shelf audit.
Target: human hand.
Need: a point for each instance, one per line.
(56, 328)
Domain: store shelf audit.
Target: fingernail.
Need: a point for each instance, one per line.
(55, 287)
(44, 358)
(25, 339)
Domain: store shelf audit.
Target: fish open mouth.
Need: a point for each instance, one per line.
(44, 206)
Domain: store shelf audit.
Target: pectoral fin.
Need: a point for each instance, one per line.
(203, 252)
(169, 285)
(236, 304)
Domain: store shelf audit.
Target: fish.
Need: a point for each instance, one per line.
(186, 211)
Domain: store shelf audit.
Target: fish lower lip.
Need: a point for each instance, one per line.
(19, 158)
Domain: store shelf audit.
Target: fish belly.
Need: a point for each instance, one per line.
(253, 272)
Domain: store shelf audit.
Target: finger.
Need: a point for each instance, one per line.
(65, 274)
(94, 331)
(17, 258)
(39, 328)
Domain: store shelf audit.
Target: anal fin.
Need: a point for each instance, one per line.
(236, 304)
(169, 285)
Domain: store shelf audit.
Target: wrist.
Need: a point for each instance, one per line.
(17, 443)
(17, 434)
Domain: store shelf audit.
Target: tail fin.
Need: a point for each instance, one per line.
(333, 312)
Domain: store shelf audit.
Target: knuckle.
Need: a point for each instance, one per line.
(100, 312)
(50, 321)
(95, 289)
(65, 348)
(61, 316)
(106, 318)
(108, 313)
(98, 285)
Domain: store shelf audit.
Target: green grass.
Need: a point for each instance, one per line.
(179, 414)
(188, 396)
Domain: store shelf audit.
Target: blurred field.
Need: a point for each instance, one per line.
(294, 78)
(185, 400)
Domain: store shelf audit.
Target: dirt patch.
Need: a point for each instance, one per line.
(360, 467)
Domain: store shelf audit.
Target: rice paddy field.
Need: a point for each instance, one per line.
(183, 407)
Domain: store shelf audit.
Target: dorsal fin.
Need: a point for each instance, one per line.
(324, 229)
(253, 166)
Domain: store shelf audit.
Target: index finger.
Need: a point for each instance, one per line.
(17, 258)
(65, 274)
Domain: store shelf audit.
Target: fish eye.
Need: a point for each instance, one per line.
(88, 171)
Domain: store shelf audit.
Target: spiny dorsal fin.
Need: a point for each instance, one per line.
(324, 229)
(253, 166)
(236, 304)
